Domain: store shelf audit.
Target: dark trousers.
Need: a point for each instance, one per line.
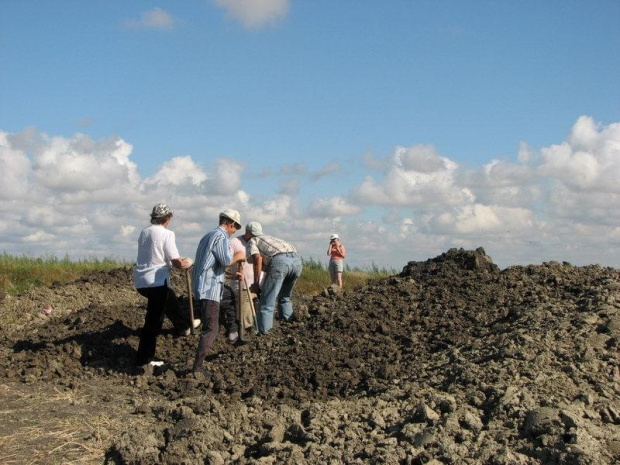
(210, 314)
(162, 301)
(228, 309)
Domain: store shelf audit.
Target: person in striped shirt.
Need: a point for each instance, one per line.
(281, 273)
(213, 255)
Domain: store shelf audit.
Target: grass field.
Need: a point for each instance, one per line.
(19, 274)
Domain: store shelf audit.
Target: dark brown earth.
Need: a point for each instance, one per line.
(452, 361)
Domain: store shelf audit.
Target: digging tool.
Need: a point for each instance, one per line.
(239, 306)
(247, 289)
(190, 299)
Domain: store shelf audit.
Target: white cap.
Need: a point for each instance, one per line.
(255, 228)
(333, 236)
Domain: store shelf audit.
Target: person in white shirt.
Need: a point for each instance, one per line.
(157, 253)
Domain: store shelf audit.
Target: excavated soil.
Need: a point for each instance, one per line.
(452, 361)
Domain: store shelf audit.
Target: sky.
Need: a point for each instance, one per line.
(407, 127)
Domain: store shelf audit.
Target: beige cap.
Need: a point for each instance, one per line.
(232, 215)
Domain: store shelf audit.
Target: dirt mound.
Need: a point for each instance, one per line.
(453, 359)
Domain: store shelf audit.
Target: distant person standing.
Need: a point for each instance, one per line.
(157, 253)
(213, 255)
(281, 273)
(337, 254)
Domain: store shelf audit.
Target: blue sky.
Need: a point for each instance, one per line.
(408, 127)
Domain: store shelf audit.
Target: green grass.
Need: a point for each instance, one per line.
(19, 274)
(315, 276)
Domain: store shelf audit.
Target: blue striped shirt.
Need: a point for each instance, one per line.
(212, 256)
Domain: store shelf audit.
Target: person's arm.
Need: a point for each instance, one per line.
(342, 251)
(257, 266)
(237, 257)
(221, 251)
(170, 250)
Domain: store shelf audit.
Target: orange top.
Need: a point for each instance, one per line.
(337, 252)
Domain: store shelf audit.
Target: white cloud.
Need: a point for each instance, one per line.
(423, 159)
(15, 169)
(226, 179)
(254, 14)
(127, 230)
(329, 169)
(334, 207)
(39, 236)
(81, 164)
(415, 176)
(155, 18)
(178, 172)
(503, 183)
(86, 197)
(588, 161)
(483, 219)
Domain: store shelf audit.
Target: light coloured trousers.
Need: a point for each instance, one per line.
(280, 278)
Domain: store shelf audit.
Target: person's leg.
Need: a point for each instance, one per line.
(178, 317)
(294, 267)
(210, 313)
(228, 306)
(153, 321)
(269, 292)
(332, 272)
(339, 271)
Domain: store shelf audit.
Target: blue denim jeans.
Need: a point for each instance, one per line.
(281, 276)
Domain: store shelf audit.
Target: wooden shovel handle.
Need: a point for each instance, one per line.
(191, 302)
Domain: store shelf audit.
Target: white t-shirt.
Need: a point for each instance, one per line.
(156, 249)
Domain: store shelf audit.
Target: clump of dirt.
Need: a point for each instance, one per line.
(453, 359)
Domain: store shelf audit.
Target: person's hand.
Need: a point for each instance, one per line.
(182, 263)
(240, 275)
(255, 288)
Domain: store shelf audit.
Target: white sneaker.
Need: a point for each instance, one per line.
(188, 331)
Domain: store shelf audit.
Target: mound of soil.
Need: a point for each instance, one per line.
(451, 361)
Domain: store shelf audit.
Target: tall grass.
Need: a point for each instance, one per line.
(315, 276)
(18, 274)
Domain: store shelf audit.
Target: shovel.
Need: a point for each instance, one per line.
(190, 300)
(239, 306)
(247, 289)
